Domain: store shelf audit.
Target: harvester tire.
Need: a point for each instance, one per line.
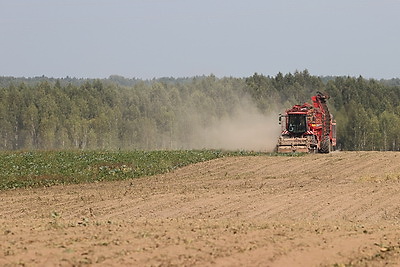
(325, 145)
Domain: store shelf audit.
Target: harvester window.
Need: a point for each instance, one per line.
(297, 123)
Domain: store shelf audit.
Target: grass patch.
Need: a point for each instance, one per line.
(47, 168)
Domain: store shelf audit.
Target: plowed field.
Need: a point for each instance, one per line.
(318, 210)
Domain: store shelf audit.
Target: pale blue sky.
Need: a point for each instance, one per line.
(180, 38)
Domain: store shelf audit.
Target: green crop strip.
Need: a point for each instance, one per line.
(47, 168)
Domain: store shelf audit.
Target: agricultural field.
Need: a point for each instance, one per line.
(47, 168)
(199, 208)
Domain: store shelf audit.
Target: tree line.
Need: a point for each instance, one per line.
(167, 113)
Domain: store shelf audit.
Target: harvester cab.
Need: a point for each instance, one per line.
(297, 123)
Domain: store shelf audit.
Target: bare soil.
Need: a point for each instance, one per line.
(340, 209)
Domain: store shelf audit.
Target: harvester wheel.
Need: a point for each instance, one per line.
(325, 145)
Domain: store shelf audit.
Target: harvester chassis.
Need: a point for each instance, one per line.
(308, 128)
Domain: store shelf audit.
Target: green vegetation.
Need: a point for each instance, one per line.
(130, 114)
(46, 168)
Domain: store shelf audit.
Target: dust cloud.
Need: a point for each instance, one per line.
(245, 128)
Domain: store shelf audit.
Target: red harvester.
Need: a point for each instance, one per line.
(308, 128)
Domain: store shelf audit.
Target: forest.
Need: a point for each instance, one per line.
(175, 113)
